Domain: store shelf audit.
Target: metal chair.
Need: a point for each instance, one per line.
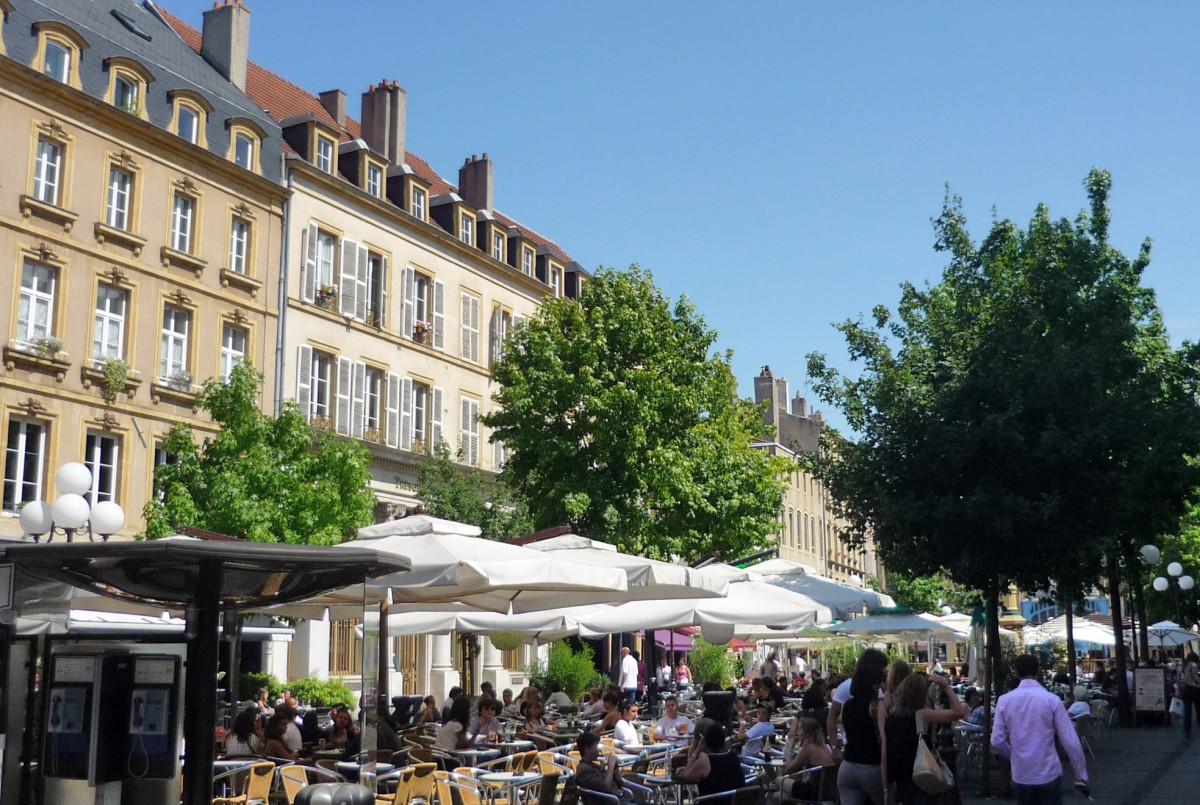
(1085, 725)
(259, 777)
(292, 778)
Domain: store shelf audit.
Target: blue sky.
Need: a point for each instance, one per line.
(779, 162)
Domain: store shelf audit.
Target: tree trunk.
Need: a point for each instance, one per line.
(1114, 595)
(990, 666)
(1070, 640)
(1139, 597)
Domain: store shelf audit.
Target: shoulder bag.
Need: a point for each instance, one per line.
(930, 773)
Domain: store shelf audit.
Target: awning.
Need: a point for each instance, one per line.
(673, 640)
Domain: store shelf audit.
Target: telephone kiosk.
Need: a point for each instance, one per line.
(112, 728)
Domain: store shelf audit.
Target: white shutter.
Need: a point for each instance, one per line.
(361, 296)
(345, 392)
(436, 436)
(439, 314)
(358, 408)
(469, 438)
(407, 284)
(304, 380)
(499, 455)
(470, 328)
(308, 263)
(406, 414)
(494, 329)
(381, 313)
(348, 287)
(391, 425)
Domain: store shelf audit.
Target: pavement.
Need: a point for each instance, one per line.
(1143, 765)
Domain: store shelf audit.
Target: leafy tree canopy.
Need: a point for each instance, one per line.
(1021, 416)
(927, 593)
(261, 478)
(625, 426)
(451, 492)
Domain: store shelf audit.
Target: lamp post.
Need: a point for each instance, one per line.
(70, 513)
(1182, 582)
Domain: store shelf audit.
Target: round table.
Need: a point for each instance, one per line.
(516, 745)
(505, 784)
(476, 755)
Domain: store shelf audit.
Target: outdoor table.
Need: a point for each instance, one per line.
(364, 773)
(626, 759)
(516, 745)
(328, 754)
(472, 756)
(507, 784)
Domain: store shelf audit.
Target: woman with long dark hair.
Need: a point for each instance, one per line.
(860, 779)
(1189, 690)
(900, 739)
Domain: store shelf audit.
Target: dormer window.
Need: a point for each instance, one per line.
(324, 160)
(245, 138)
(127, 85)
(125, 94)
(57, 62)
(58, 51)
(555, 281)
(189, 124)
(527, 261)
(189, 116)
(466, 228)
(420, 202)
(375, 180)
(498, 245)
(243, 150)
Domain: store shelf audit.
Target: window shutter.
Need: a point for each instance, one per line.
(469, 438)
(406, 413)
(348, 288)
(497, 344)
(436, 436)
(499, 455)
(470, 328)
(381, 313)
(308, 263)
(408, 281)
(439, 314)
(363, 290)
(345, 392)
(359, 406)
(391, 425)
(304, 380)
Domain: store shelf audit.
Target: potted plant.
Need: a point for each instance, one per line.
(48, 346)
(115, 372)
(180, 380)
(421, 331)
(505, 640)
(325, 296)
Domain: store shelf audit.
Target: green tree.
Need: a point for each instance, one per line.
(625, 426)
(927, 593)
(261, 478)
(1020, 418)
(452, 492)
(710, 663)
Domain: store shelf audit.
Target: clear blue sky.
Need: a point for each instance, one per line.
(779, 162)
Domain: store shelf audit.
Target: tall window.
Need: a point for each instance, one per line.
(470, 328)
(100, 456)
(117, 210)
(422, 305)
(322, 385)
(239, 244)
(527, 262)
(125, 94)
(418, 202)
(57, 64)
(556, 282)
(375, 180)
(108, 331)
(376, 289)
(498, 245)
(47, 175)
(468, 445)
(326, 247)
(243, 151)
(420, 417)
(325, 154)
(35, 311)
(176, 328)
(233, 348)
(466, 228)
(183, 214)
(373, 404)
(24, 458)
(189, 124)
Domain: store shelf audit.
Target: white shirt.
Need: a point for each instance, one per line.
(1079, 709)
(669, 727)
(841, 694)
(291, 736)
(801, 665)
(755, 736)
(626, 733)
(559, 699)
(663, 676)
(628, 672)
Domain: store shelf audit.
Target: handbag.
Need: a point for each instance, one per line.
(930, 773)
(1177, 707)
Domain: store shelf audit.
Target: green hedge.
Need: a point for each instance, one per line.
(251, 682)
(574, 671)
(710, 663)
(318, 692)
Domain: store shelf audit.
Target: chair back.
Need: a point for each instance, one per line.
(441, 784)
(293, 778)
(748, 795)
(259, 785)
(422, 782)
(548, 793)
(383, 755)
(827, 788)
(404, 786)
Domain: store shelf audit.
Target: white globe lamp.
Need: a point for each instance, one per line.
(1186, 582)
(70, 511)
(718, 634)
(1151, 554)
(36, 518)
(73, 479)
(1161, 584)
(107, 518)
(1175, 569)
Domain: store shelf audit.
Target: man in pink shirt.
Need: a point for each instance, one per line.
(1027, 721)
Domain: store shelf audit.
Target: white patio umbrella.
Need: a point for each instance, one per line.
(844, 599)
(542, 626)
(1055, 630)
(1168, 634)
(894, 623)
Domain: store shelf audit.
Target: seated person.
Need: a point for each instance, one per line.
(246, 737)
(593, 704)
(340, 731)
(672, 724)
(624, 731)
(710, 766)
(263, 704)
(593, 776)
(536, 722)
(291, 736)
(430, 714)
(1082, 704)
(755, 735)
(385, 734)
(484, 727)
(973, 726)
(509, 707)
(274, 743)
(813, 699)
(453, 733)
(771, 693)
(612, 712)
(310, 728)
(813, 751)
(557, 698)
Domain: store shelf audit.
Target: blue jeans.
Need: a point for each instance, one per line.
(1045, 794)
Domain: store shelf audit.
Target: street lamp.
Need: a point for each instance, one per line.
(70, 512)
(1182, 582)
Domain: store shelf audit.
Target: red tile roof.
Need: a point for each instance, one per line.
(282, 99)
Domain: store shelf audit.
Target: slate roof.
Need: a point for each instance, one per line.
(283, 99)
(169, 60)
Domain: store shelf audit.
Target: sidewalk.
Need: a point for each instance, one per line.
(1149, 765)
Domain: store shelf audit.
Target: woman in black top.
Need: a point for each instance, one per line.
(860, 779)
(900, 731)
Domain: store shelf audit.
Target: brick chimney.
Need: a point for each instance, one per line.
(334, 101)
(226, 40)
(475, 182)
(384, 111)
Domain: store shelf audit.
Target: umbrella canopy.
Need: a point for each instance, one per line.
(1168, 634)
(1055, 631)
(648, 578)
(896, 621)
(844, 599)
(543, 626)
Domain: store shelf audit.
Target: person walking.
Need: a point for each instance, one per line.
(860, 779)
(909, 710)
(1189, 691)
(1028, 719)
(629, 674)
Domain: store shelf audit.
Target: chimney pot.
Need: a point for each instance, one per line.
(334, 101)
(475, 183)
(384, 108)
(225, 41)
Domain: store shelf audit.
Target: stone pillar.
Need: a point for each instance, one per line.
(442, 675)
(310, 650)
(276, 661)
(493, 665)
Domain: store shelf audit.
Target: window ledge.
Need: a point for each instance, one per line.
(51, 212)
(173, 257)
(30, 358)
(105, 233)
(92, 374)
(178, 393)
(240, 281)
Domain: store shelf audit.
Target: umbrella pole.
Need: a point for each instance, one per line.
(200, 715)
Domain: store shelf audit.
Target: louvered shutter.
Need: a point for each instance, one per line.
(391, 424)
(304, 380)
(345, 392)
(495, 334)
(408, 281)
(468, 444)
(406, 413)
(308, 263)
(499, 455)
(439, 314)
(436, 436)
(358, 408)
(469, 350)
(361, 295)
(381, 313)
(348, 287)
